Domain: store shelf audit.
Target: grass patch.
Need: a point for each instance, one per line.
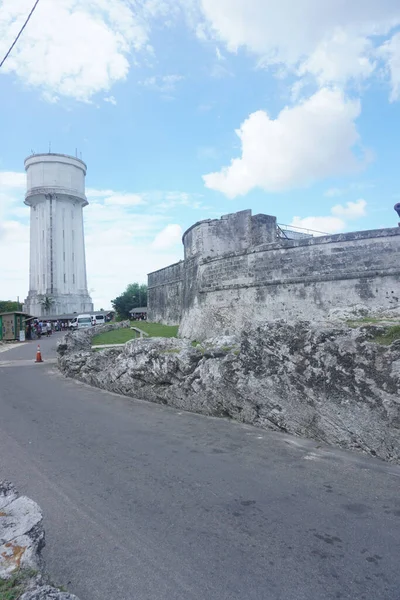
(12, 589)
(121, 336)
(363, 320)
(368, 321)
(391, 335)
(171, 351)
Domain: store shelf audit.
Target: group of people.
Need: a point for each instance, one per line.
(37, 328)
(139, 317)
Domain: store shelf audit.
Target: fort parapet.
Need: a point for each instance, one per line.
(239, 270)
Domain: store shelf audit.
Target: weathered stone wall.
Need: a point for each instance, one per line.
(292, 280)
(329, 383)
(165, 295)
(237, 273)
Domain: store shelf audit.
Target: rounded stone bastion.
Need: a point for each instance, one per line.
(231, 233)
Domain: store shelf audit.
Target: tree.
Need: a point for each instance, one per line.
(134, 296)
(46, 302)
(10, 306)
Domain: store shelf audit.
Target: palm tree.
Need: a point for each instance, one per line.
(47, 302)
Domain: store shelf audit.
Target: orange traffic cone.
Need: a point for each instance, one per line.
(38, 355)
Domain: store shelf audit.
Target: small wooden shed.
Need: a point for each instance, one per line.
(11, 323)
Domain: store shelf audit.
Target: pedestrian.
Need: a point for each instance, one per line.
(48, 328)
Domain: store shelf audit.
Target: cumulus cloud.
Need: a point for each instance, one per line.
(334, 40)
(339, 59)
(305, 143)
(169, 237)
(12, 179)
(352, 210)
(77, 48)
(336, 221)
(328, 224)
(72, 47)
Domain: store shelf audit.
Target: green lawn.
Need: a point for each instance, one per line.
(120, 336)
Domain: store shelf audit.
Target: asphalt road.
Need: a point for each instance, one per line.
(143, 502)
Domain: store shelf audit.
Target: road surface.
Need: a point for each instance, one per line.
(143, 502)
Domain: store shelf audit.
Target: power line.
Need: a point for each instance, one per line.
(21, 30)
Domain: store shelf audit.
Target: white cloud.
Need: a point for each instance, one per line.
(335, 222)
(219, 54)
(95, 193)
(12, 179)
(119, 248)
(339, 59)
(319, 224)
(72, 47)
(391, 51)
(169, 237)
(110, 99)
(352, 210)
(305, 143)
(331, 40)
(165, 83)
(14, 236)
(77, 48)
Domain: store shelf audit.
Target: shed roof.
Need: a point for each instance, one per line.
(140, 309)
(15, 312)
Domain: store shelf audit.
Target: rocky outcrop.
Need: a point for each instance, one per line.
(21, 532)
(46, 592)
(21, 544)
(329, 383)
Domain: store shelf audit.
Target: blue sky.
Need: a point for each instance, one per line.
(190, 109)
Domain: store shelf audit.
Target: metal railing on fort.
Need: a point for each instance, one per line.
(292, 232)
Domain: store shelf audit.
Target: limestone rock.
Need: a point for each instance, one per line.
(47, 592)
(21, 532)
(7, 493)
(326, 382)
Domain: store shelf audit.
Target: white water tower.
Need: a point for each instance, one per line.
(56, 195)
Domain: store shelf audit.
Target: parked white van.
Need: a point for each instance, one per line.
(81, 322)
(98, 320)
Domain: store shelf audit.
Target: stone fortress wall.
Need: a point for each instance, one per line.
(237, 271)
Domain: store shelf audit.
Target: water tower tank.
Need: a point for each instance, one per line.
(56, 195)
